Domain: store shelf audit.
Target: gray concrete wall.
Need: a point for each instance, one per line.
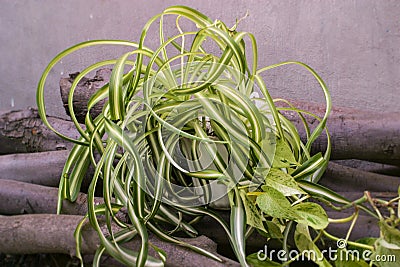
(353, 45)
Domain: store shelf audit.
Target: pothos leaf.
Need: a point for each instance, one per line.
(273, 230)
(385, 255)
(282, 182)
(387, 246)
(306, 246)
(275, 204)
(390, 233)
(284, 157)
(312, 215)
(261, 260)
(253, 214)
(346, 258)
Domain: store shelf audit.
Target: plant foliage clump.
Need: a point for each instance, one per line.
(187, 126)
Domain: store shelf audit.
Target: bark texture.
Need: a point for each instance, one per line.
(45, 233)
(21, 198)
(355, 134)
(343, 178)
(42, 233)
(369, 166)
(23, 131)
(86, 87)
(43, 168)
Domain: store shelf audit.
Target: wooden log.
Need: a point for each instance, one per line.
(86, 87)
(42, 233)
(43, 168)
(355, 134)
(346, 179)
(23, 131)
(372, 137)
(47, 233)
(369, 166)
(20, 198)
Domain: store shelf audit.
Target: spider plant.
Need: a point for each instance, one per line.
(180, 120)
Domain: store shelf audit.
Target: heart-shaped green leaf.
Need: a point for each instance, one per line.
(275, 204)
(282, 182)
(306, 246)
(253, 215)
(284, 157)
(312, 215)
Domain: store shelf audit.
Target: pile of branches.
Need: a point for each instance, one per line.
(365, 157)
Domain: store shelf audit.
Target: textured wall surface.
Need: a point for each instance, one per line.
(353, 45)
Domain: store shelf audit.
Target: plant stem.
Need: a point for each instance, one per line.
(348, 242)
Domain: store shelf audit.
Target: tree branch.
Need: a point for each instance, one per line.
(352, 130)
(369, 166)
(43, 168)
(342, 178)
(86, 87)
(45, 233)
(23, 131)
(20, 198)
(355, 134)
